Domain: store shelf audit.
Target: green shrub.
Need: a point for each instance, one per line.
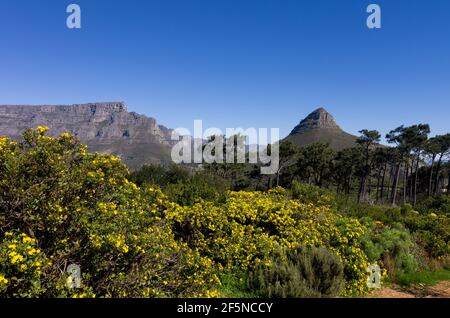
(387, 215)
(307, 193)
(60, 205)
(428, 238)
(21, 265)
(406, 209)
(301, 272)
(159, 175)
(432, 232)
(234, 285)
(425, 277)
(438, 204)
(250, 226)
(199, 186)
(392, 245)
(181, 185)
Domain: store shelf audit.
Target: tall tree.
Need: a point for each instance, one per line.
(397, 137)
(432, 149)
(344, 168)
(366, 141)
(314, 163)
(288, 155)
(444, 143)
(419, 137)
(382, 159)
(448, 178)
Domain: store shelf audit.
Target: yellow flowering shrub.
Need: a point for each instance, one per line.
(22, 264)
(79, 208)
(251, 225)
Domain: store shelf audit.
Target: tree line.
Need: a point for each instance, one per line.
(414, 165)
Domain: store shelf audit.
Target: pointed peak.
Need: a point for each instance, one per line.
(320, 110)
(318, 119)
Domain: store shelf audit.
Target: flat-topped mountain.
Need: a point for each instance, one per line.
(320, 126)
(104, 127)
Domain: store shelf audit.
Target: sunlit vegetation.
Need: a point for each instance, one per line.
(168, 231)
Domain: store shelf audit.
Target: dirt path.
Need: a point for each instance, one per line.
(441, 290)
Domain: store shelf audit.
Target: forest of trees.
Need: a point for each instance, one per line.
(413, 166)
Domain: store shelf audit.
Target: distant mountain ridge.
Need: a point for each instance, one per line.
(320, 126)
(138, 139)
(104, 127)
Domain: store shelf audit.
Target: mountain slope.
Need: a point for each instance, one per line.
(320, 126)
(104, 127)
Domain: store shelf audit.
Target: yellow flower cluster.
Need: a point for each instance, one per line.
(119, 242)
(42, 130)
(20, 257)
(87, 212)
(3, 280)
(65, 136)
(251, 225)
(7, 147)
(143, 244)
(3, 142)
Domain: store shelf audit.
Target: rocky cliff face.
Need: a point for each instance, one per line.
(104, 127)
(320, 126)
(318, 119)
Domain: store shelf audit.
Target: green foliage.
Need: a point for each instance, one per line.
(424, 277)
(200, 186)
(386, 215)
(172, 233)
(61, 205)
(250, 226)
(432, 231)
(307, 193)
(234, 284)
(436, 204)
(159, 175)
(406, 209)
(391, 244)
(182, 186)
(21, 266)
(315, 163)
(300, 272)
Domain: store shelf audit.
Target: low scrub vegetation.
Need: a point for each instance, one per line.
(300, 272)
(170, 232)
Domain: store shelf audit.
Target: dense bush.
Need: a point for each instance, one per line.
(394, 246)
(159, 175)
(21, 265)
(181, 185)
(250, 226)
(307, 193)
(386, 215)
(437, 204)
(66, 206)
(199, 186)
(60, 205)
(300, 272)
(431, 231)
(426, 234)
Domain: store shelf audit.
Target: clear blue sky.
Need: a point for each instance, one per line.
(234, 63)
